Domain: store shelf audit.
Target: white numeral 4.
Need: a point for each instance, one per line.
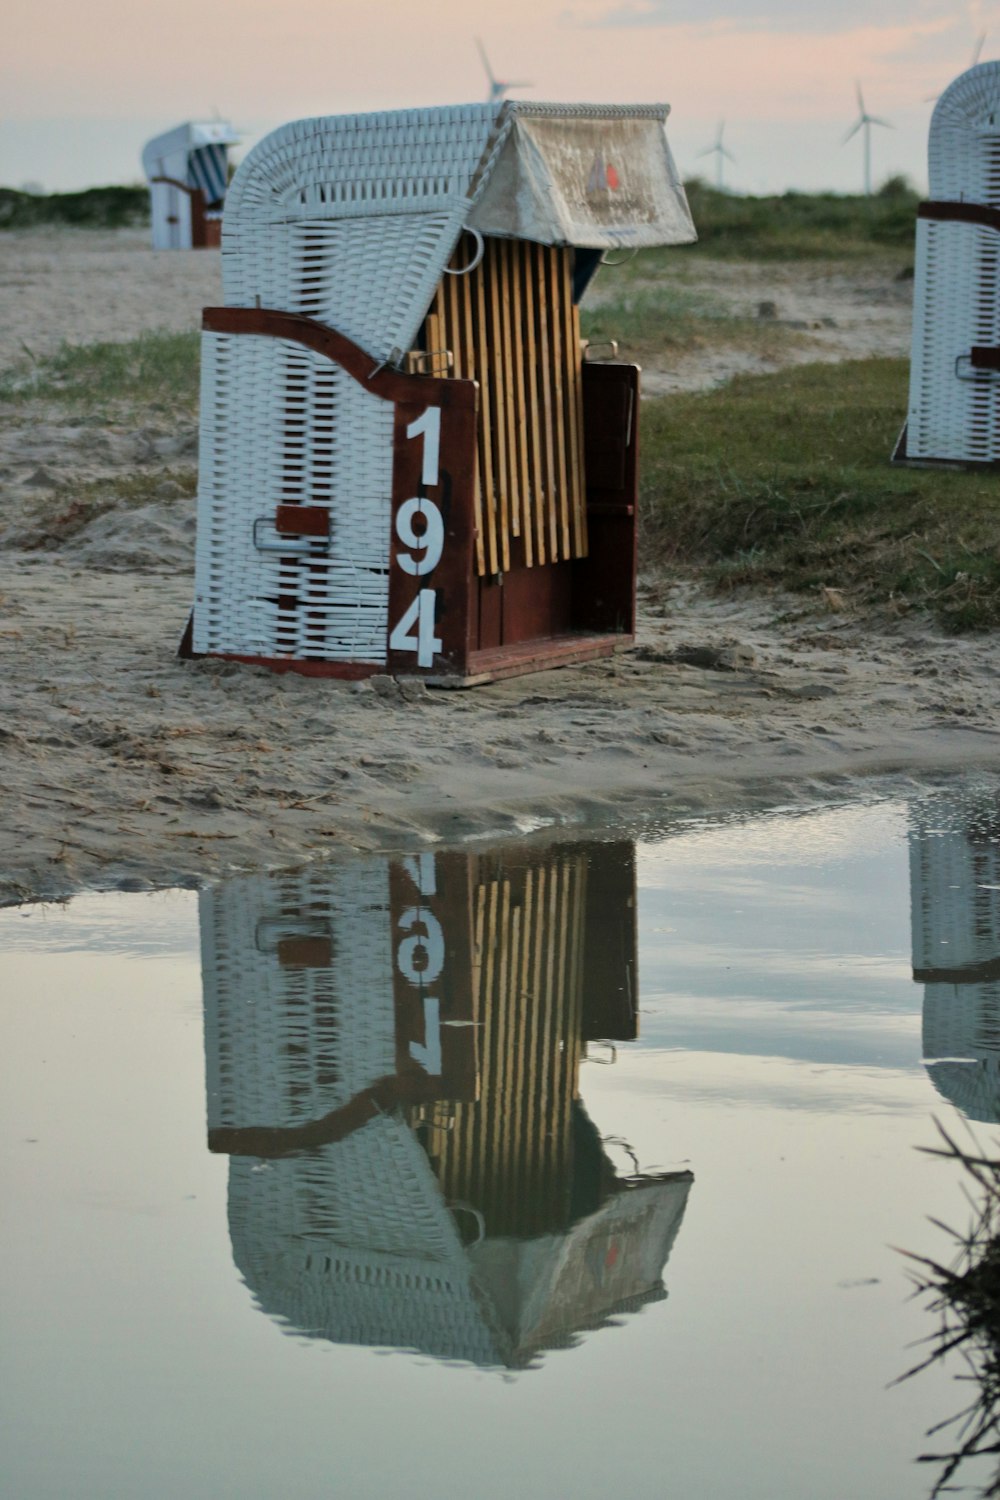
(423, 641)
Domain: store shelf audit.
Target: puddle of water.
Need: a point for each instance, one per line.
(375, 1178)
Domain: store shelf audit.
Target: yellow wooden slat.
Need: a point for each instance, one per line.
(542, 328)
(466, 340)
(512, 416)
(574, 414)
(484, 376)
(558, 352)
(515, 280)
(498, 397)
(532, 406)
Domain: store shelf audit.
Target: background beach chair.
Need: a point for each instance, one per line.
(187, 169)
(954, 404)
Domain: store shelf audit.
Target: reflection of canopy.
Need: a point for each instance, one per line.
(352, 219)
(353, 1242)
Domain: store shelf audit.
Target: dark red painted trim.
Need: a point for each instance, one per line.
(389, 384)
(946, 211)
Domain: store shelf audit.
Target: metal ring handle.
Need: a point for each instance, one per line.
(302, 546)
(473, 263)
(979, 374)
(630, 256)
(467, 1208)
(611, 344)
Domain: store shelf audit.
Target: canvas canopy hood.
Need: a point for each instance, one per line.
(352, 219)
(585, 177)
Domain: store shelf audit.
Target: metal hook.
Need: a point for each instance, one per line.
(467, 1208)
(589, 346)
(630, 256)
(473, 263)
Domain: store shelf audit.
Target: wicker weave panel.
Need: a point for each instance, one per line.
(369, 278)
(282, 425)
(961, 155)
(352, 219)
(353, 1242)
(973, 1087)
(954, 411)
(954, 890)
(287, 1042)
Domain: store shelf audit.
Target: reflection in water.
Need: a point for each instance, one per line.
(393, 1052)
(966, 1297)
(955, 905)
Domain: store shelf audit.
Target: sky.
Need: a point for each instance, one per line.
(84, 86)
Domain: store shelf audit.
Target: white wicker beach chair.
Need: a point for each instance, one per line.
(348, 507)
(187, 169)
(954, 403)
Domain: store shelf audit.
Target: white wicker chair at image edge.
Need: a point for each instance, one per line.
(954, 401)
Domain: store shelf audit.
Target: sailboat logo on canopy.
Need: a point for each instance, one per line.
(603, 176)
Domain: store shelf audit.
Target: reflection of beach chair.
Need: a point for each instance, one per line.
(187, 170)
(955, 915)
(954, 406)
(405, 463)
(438, 1189)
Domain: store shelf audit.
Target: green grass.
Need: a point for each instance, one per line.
(784, 481)
(159, 370)
(795, 226)
(669, 318)
(96, 208)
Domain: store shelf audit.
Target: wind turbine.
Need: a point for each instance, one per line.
(720, 153)
(498, 86)
(864, 122)
(977, 53)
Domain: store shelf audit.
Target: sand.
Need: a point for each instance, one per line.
(125, 767)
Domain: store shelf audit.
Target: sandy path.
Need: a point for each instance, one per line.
(123, 765)
(83, 286)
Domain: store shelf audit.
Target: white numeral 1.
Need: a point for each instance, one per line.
(428, 423)
(428, 1056)
(420, 613)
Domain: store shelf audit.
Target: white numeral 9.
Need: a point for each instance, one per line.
(429, 541)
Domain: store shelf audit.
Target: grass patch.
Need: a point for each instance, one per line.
(650, 320)
(96, 208)
(784, 481)
(156, 369)
(800, 226)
